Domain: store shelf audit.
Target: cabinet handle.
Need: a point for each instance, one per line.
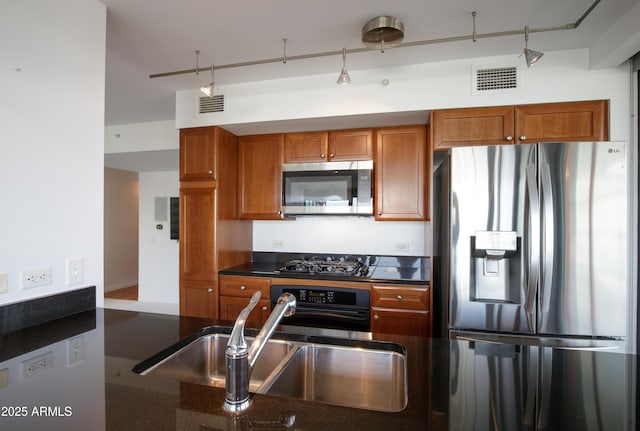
(399, 297)
(375, 317)
(380, 213)
(209, 290)
(264, 308)
(210, 172)
(322, 156)
(243, 287)
(509, 138)
(523, 138)
(331, 155)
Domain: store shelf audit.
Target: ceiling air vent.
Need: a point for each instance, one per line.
(211, 104)
(495, 80)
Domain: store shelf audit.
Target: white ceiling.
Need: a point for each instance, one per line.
(147, 37)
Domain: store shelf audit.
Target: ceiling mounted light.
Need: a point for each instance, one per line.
(530, 55)
(344, 77)
(208, 90)
(382, 31)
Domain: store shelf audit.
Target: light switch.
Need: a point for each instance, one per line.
(4, 283)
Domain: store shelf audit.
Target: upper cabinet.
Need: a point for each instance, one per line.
(305, 147)
(355, 144)
(332, 146)
(198, 153)
(401, 180)
(567, 121)
(260, 160)
(574, 121)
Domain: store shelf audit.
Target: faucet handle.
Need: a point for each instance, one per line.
(237, 345)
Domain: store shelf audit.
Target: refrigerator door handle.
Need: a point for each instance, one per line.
(532, 233)
(549, 240)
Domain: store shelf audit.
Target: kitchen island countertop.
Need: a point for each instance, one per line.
(89, 384)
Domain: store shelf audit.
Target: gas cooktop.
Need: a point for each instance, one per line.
(329, 265)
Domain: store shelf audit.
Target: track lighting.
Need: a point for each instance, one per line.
(344, 77)
(208, 90)
(530, 55)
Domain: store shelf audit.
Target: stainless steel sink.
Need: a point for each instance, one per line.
(351, 377)
(361, 374)
(202, 362)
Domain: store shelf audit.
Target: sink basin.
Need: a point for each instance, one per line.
(346, 376)
(351, 373)
(202, 362)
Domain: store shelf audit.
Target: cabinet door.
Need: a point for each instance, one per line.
(401, 173)
(197, 231)
(305, 147)
(350, 145)
(198, 299)
(400, 296)
(472, 126)
(198, 153)
(561, 122)
(244, 286)
(402, 322)
(260, 176)
(231, 306)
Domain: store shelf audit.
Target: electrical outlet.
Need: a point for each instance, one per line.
(75, 350)
(277, 244)
(402, 247)
(4, 378)
(4, 283)
(36, 277)
(73, 272)
(37, 365)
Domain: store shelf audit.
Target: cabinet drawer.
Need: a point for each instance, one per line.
(404, 297)
(244, 286)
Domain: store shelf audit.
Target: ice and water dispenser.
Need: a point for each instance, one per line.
(495, 266)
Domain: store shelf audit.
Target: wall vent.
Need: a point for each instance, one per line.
(495, 79)
(211, 104)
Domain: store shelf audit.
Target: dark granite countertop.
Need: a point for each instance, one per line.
(451, 385)
(382, 269)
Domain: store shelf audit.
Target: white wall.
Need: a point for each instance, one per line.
(158, 254)
(150, 136)
(52, 71)
(120, 229)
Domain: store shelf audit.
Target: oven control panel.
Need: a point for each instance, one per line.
(323, 296)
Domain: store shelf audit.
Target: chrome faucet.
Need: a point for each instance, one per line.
(240, 359)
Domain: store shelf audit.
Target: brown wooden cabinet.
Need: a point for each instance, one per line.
(401, 180)
(348, 145)
(211, 235)
(235, 292)
(305, 147)
(400, 309)
(564, 121)
(260, 160)
(332, 146)
(560, 122)
(198, 153)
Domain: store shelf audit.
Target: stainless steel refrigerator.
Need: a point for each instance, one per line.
(531, 254)
(532, 244)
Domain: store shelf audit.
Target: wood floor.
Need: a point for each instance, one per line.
(130, 293)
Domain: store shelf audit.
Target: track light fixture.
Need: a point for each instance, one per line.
(344, 77)
(208, 90)
(530, 55)
(386, 31)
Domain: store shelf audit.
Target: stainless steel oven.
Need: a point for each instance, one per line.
(327, 307)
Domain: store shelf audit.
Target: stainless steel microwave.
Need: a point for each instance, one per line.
(329, 188)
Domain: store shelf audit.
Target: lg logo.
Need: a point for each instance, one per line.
(614, 150)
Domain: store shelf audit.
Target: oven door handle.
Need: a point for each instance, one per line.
(328, 314)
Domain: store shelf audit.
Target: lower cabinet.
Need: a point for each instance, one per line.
(198, 299)
(235, 292)
(400, 309)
